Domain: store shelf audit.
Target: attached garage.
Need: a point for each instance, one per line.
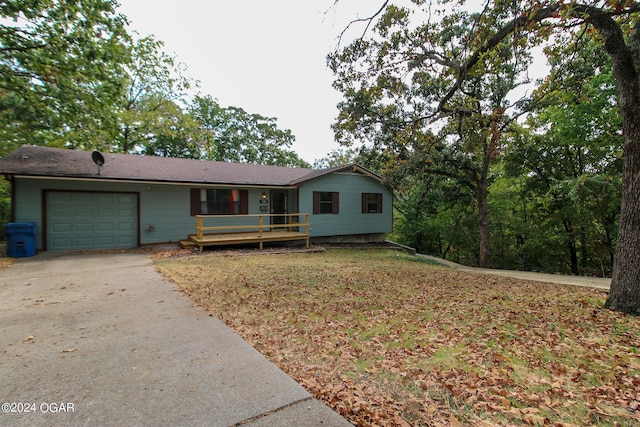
(77, 220)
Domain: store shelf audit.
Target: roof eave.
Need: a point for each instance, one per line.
(150, 181)
(353, 166)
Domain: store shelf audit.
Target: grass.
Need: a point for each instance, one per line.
(5, 262)
(389, 340)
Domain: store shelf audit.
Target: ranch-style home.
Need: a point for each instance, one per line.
(80, 200)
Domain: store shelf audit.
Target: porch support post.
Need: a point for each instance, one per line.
(260, 231)
(199, 227)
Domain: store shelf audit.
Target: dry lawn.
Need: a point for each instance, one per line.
(5, 262)
(387, 340)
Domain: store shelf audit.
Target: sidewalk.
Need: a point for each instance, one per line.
(104, 340)
(592, 282)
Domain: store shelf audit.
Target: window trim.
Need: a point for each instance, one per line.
(335, 202)
(196, 201)
(365, 203)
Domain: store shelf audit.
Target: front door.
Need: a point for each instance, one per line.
(279, 210)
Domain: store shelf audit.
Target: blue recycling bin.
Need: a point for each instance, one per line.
(21, 239)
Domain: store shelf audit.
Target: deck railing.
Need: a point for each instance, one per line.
(260, 223)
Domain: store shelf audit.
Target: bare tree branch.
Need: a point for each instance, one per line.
(595, 16)
(368, 20)
(509, 28)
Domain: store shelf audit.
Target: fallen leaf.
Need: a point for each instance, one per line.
(386, 342)
(506, 403)
(69, 350)
(534, 419)
(513, 414)
(29, 338)
(453, 421)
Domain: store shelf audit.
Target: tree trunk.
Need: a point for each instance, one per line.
(483, 215)
(571, 243)
(573, 256)
(446, 251)
(125, 143)
(625, 279)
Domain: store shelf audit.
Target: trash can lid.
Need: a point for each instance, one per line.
(20, 225)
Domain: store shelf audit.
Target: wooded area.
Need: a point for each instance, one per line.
(72, 75)
(547, 178)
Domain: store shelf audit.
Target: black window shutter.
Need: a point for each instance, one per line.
(336, 203)
(379, 202)
(244, 202)
(364, 202)
(195, 201)
(316, 202)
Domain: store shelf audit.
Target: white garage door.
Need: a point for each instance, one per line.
(79, 220)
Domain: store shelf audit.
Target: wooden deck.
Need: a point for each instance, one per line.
(259, 230)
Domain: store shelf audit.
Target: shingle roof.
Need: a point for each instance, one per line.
(55, 162)
(33, 160)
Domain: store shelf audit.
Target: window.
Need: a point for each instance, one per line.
(325, 202)
(371, 202)
(219, 201)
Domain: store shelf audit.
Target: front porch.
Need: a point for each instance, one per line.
(258, 228)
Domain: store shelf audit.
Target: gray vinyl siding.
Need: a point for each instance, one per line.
(350, 219)
(164, 208)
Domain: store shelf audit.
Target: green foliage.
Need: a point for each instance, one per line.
(71, 76)
(231, 134)
(437, 217)
(60, 72)
(570, 163)
(337, 157)
(430, 90)
(151, 119)
(168, 131)
(398, 82)
(555, 197)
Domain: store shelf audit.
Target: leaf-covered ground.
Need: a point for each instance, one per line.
(386, 340)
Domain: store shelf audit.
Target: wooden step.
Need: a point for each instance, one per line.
(186, 244)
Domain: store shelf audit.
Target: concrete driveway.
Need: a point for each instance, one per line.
(104, 340)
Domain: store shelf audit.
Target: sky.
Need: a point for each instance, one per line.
(267, 57)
